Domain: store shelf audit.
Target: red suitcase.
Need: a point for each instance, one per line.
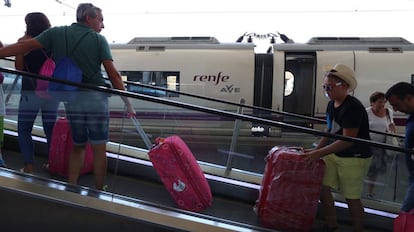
(289, 193)
(60, 148)
(404, 222)
(180, 173)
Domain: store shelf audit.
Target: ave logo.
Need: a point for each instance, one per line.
(219, 79)
(230, 89)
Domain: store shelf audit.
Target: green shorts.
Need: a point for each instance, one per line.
(346, 174)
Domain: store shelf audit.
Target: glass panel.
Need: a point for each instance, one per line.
(387, 178)
(218, 141)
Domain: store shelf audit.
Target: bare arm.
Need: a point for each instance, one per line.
(19, 58)
(336, 146)
(20, 48)
(340, 145)
(116, 81)
(323, 141)
(392, 128)
(19, 62)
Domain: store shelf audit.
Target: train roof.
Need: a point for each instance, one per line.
(189, 42)
(175, 40)
(371, 44)
(358, 40)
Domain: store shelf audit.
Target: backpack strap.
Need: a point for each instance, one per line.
(33, 81)
(76, 44)
(44, 53)
(388, 115)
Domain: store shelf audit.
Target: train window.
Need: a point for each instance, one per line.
(289, 81)
(167, 80)
(172, 82)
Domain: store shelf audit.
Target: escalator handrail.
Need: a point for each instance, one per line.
(189, 106)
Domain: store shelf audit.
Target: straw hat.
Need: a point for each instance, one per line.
(346, 74)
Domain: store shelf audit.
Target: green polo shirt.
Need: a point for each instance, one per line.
(89, 53)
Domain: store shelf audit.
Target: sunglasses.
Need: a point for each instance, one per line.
(329, 87)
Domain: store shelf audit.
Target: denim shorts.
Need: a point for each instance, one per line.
(88, 116)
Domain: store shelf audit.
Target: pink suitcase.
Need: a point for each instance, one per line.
(289, 193)
(60, 148)
(180, 173)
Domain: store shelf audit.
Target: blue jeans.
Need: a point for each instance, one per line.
(88, 116)
(29, 107)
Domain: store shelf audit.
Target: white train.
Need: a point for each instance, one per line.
(287, 78)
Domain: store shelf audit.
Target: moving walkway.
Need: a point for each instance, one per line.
(233, 166)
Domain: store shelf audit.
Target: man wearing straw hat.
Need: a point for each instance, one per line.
(346, 162)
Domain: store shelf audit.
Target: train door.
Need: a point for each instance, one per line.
(299, 89)
(263, 79)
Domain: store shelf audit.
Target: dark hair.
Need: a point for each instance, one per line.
(376, 96)
(36, 23)
(86, 9)
(400, 90)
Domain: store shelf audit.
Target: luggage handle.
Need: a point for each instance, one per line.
(286, 148)
(275, 148)
(141, 132)
(300, 149)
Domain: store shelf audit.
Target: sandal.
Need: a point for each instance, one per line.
(25, 171)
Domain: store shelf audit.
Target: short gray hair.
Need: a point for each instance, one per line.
(86, 9)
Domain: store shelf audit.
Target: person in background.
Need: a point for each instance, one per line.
(30, 103)
(401, 98)
(346, 162)
(2, 114)
(88, 113)
(380, 119)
